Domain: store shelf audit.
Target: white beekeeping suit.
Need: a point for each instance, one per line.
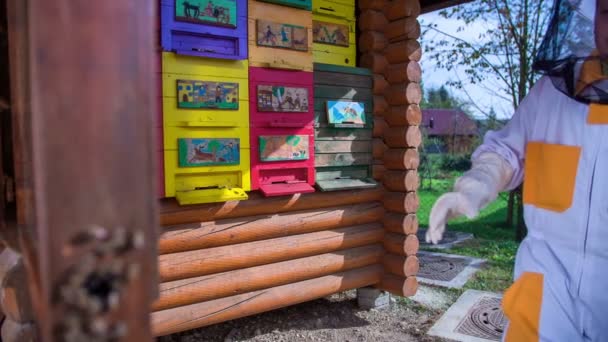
(557, 145)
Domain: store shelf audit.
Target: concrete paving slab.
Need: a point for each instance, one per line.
(475, 317)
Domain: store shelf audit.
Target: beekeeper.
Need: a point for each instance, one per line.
(557, 145)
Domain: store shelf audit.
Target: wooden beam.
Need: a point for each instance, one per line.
(190, 264)
(254, 228)
(395, 180)
(401, 159)
(398, 244)
(173, 214)
(207, 313)
(370, 20)
(404, 115)
(403, 51)
(403, 287)
(401, 202)
(404, 266)
(400, 223)
(398, 9)
(214, 286)
(93, 165)
(404, 136)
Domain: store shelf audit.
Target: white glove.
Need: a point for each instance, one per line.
(478, 187)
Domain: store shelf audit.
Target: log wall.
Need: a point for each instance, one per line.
(388, 39)
(222, 261)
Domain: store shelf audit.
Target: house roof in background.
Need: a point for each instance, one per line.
(448, 122)
(435, 5)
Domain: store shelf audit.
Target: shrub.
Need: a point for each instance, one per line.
(455, 162)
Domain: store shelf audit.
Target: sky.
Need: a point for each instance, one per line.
(435, 77)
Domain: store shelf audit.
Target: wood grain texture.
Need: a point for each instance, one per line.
(380, 105)
(374, 61)
(255, 228)
(404, 115)
(404, 136)
(378, 148)
(207, 313)
(107, 179)
(399, 286)
(377, 5)
(372, 41)
(398, 9)
(196, 263)
(402, 29)
(380, 85)
(403, 94)
(370, 20)
(401, 159)
(399, 244)
(378, 171)
(200, 289)
(172, 213)
(400, 202)
(380, 127)
(403, 72)
(400, 223)
(400, 265)
(403, 51)
(405, 181)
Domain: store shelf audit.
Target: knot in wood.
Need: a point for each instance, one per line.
(89, 292)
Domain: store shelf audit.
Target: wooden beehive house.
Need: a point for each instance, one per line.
(281, 137)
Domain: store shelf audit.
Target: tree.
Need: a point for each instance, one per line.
(500, 61)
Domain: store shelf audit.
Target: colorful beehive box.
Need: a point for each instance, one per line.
(279, 37)
(343, 127)
(302, 4)
(205, 28)
(206, 128)
(334, 32)
(282, 133)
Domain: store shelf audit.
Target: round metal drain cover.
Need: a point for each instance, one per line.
(440, 267)
(484, 320)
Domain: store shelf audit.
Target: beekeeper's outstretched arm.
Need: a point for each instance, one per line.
(497, 165)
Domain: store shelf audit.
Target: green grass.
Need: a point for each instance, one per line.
(493, 240)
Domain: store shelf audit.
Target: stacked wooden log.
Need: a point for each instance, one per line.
(247, 257)
(388, 40)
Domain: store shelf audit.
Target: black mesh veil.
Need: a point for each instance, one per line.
(568, 53)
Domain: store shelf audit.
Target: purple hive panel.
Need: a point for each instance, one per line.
(202, 39)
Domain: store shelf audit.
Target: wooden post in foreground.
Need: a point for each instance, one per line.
(85, 73)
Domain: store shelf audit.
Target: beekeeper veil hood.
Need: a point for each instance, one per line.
(569, 53)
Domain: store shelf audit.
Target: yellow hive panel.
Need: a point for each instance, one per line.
(342, 13)
(187, 65)
(192, 183)
(268, 57)
(192, 178)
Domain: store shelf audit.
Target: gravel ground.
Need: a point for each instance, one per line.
(335, 318)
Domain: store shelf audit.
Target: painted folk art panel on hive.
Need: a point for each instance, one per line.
(282, 99)
(283, 147)
(345, 113)
(329, 33)
(282, 35)
(212, 12)
(208, 151)
(201, 94)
